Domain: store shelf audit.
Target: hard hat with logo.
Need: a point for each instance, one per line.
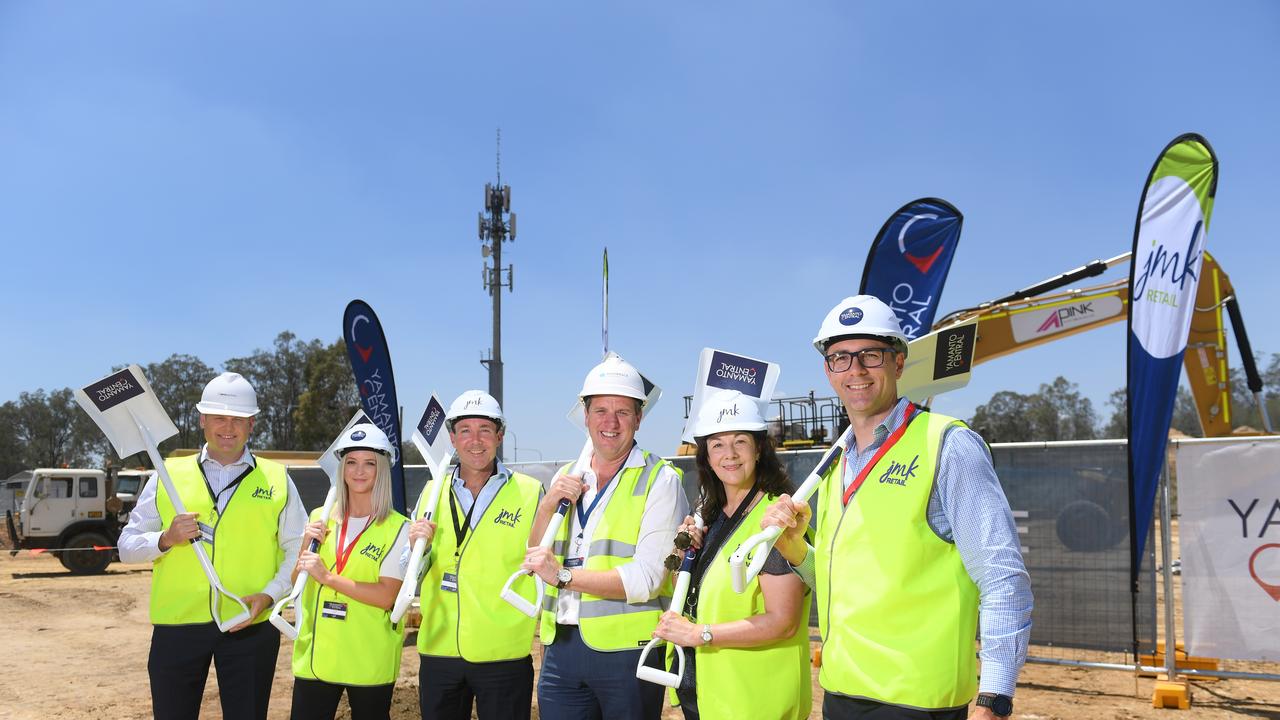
(363, 436)
(228, 394)
(614, 376)
(728, 411)
(475, 403)
(860, 316)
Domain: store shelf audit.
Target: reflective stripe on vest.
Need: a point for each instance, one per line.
(766, 681)
(613, 624)
(361, 647)
(475, 623)
(245, 552)
(898, 612)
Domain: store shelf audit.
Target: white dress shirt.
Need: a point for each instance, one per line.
(140, 539)
(664, 509)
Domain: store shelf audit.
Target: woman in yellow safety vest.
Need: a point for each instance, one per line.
(346, 641)
(751, 650)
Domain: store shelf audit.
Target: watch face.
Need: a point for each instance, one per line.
(1001, 705)
(564, 575)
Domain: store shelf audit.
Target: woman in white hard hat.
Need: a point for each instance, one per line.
(474, 648)
(751, 655)
(347, 641)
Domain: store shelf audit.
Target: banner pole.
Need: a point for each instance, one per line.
(1166, 556)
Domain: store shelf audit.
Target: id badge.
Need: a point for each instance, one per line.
(334, 610)
(575, 562)
(449, 583)
(206, 532)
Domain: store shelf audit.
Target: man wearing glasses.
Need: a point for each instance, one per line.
(915, 542)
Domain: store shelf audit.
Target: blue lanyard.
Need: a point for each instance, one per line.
(584, 516)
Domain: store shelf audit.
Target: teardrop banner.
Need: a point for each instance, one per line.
(1168, 246)
(371, 365)
(910, 259)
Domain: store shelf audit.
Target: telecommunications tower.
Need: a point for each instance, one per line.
(496, 227)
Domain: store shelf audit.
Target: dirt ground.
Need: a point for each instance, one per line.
(76, 647)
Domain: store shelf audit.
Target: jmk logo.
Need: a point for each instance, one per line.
(372, 551)
(508, 518)
(731, 411)
(1169, 268)
(266, 493)
(898, 473)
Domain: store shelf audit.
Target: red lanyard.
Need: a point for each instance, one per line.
(344, 555)
(889, 443)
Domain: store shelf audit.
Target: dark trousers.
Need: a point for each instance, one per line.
(839, 707)
(448, 686)
(578, 683)
(179, 666)
(314, 699)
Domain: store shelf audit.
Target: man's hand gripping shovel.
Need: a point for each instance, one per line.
(127, 411)
(329, 463)
(433, 442)
(678, 596)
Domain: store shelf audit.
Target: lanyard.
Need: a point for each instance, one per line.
(725, 527)
(889, 443)
(460, 532)
(583, 517)
(344, 550)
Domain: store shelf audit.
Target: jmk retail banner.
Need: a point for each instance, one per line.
(1229, 532)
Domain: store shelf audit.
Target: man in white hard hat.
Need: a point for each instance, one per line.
(606, 583)
(915, 542)
(248, 512)
(473, 646)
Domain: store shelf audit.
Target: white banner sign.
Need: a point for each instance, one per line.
(1229, 500)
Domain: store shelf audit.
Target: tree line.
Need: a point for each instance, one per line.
(306, 390)
(1057, 411)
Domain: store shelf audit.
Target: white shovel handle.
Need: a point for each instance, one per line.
(548, 539)
(212, 575)
(290, 630)
(656, 675)
(408, 587)
(748, 560)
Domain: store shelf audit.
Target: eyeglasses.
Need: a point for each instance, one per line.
(838, 362)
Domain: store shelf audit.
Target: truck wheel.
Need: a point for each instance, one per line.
(86, 561)
(1085, 526)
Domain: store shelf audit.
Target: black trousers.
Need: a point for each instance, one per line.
(316, 699)
(178, 666)
(839, 707)
(448, 686)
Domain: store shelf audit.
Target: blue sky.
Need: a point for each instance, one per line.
(196, 177)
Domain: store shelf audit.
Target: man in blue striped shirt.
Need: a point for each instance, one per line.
(965, 527)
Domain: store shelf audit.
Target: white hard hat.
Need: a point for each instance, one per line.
(614, 376)
(860, 316)
(475, 403)
(363, 436)
(228, 394)
(728, 411)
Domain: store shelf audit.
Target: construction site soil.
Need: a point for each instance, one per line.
(76, 647)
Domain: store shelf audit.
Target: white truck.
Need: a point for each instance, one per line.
(76, 513)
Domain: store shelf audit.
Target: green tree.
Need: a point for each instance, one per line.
(1056, 412)
(330, 399)
(178, 382)
(279, 378)
(1244, 407)
(1186, 418)
(51, 429)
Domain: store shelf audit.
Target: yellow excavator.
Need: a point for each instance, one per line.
(1040, 314)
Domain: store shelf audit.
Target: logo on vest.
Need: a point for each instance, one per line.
(373, 552)
(508, 518)
(266, 493)
(898, 473)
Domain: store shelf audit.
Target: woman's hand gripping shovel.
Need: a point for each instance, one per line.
(127, 411)
(678, 596)
(548, 538)
(433, 442)
(329, 463)
(748, 560)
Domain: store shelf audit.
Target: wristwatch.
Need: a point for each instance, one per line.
(563, 576)
(1001, 705)
(706, 634)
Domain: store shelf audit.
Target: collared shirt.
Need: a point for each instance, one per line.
(967, 507)
(140, 539)
(664, 509)
(482, 499)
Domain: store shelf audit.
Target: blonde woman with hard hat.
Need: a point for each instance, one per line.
(751, 650)
(606, 584)
(248, 511)
(915, 544)
(347, 642)
(474, 648)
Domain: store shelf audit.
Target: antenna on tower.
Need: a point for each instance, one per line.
(497, 225)
(499, 160)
